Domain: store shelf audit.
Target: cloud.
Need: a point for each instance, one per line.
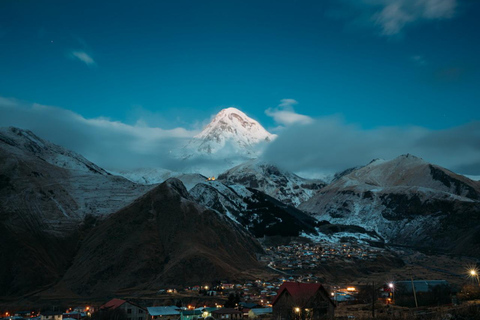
(329, 145)
(110, 144)
(84, 57)
(285, 115)
(419, 60)
(392, 16)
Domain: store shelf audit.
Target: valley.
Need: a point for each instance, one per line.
(84, 233)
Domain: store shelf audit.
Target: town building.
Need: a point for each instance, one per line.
(227, 313)
(133, 311)
(51, 315)
(296, 300)
(164, 313)
(260, 313)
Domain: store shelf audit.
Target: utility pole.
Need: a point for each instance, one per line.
(373, 299)
(414, 293)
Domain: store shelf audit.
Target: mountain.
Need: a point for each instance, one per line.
(48, 195)
(155, 176)
(259, 213)
(54, 185)
(277, 183)
(162, 239)
(146, 176)
(230, 133)
(407, 201)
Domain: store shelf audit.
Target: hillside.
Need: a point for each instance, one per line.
(407, 201)
(280, 184)
(163, 238)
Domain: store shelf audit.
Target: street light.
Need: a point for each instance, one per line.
(474, 273)
(392, 288)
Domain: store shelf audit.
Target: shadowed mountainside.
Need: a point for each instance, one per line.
(163, 238)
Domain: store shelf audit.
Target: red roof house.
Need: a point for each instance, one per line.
(296, 300)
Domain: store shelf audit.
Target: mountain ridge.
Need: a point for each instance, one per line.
(406, 200)
(231, 130)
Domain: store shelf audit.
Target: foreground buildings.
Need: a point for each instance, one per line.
(302, 301)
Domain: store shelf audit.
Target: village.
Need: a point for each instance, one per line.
(297, 292)
(289, 298)
(298, 256)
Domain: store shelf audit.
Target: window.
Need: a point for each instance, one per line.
(140, 318)
(129, 311)
(140, 310)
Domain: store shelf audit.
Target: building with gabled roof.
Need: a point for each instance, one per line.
(133, 311)
(166, 313)
(51, 315)
(257, 313)
(302, 301)
(227, 313)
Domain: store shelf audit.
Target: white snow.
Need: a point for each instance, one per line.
(231, 132)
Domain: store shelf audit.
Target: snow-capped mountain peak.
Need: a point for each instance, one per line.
(232, 132)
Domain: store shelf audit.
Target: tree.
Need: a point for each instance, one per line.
(233, 300)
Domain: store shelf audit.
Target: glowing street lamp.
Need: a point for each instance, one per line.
(392, 288)
(297, 310)
(474, 273)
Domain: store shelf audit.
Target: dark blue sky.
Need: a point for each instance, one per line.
(174, 63)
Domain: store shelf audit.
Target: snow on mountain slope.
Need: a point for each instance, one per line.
(231, 132)
(146, 176)
(175, 242)
(268, 178)
(254, 210)
(25, 142)
(49, 186)
(405, 200)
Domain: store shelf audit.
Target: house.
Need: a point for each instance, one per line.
(420, 292)
(51, 315)
(227, 313)
(133, 311)
(24, 314)
(207, 312)
(249, 305)
(74, 315)
(258, 313)
(165, 313)
(420, 285)
(302, 300)
(190, 314)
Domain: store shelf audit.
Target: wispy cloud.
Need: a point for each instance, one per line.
(111, 144)
(285, 115)
(392, 16)
(419, 60)
(83, 57)
(329, 144)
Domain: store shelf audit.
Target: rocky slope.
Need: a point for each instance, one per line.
(54, 185)
(277, 183)
(156, 176)
(46, 193)
(163, 238)
(259, 213)
(407, 201)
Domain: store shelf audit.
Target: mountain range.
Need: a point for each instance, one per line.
(67, 223)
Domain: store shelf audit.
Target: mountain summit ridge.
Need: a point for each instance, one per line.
(230, 132)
